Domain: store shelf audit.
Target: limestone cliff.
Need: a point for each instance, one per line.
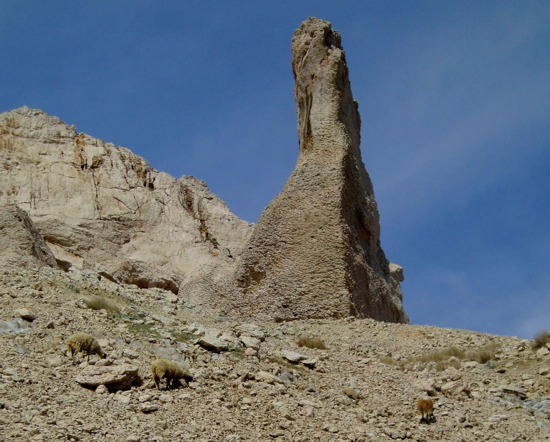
(315, 251)
(103, 208)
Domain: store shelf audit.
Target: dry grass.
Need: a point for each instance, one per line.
(7, 143)
(311, 343)
(100, 303)
(541, 339)
(449, 357)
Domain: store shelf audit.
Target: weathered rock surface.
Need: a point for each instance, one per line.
(114, 377)
(20, 242)
(315, 252)
(103, 208)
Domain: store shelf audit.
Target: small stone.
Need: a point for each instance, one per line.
(123, 399)
(129, 354)
(263, 376)
(287, 377)
(250, 352)
(455, 388)
(250, 342)
(330, 428)
(252, 330)
(310, 362)
(515, 390)
(144, 398)
(293, 356)
(148, 408)
(212, 343)
(54, 361)
(470, 364)
(101, 389)
(26, 314)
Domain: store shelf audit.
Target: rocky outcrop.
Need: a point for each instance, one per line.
(20, 242)
(315, 252)
(101, 207)
(115, 377)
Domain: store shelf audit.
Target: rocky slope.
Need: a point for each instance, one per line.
(101, 207)
(252, 382)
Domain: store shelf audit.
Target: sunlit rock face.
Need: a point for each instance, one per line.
(103, 208)
(315, 252)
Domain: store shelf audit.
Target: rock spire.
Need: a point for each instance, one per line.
(315, 252)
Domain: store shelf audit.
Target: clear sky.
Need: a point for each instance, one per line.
(454, 98)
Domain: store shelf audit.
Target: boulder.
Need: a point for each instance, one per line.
(20, 241)
(113, 377)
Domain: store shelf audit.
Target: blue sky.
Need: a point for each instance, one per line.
(454, 98)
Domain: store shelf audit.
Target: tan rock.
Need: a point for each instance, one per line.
(315, 252)
(20, 242)
(103, 208)
(114, 377)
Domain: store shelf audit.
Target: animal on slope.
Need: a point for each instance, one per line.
(426, 409)
(84, 343)
(171, 371)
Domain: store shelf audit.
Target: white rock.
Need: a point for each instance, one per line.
(250, 342)
(293, 356)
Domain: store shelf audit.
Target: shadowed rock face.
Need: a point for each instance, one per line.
(315, 252)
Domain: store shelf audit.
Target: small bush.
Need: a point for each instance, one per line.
(99, 303)
(311, 343)
(541, 339)
(483, 355)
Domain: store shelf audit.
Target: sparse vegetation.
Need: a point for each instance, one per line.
(449, 357)
(541, 339)
(182, 336)
(100, 303)
(311, 343)
(143, 329)
(9, 120)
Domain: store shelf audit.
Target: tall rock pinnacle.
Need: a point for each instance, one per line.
(315, 252)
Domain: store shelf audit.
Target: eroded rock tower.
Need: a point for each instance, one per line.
(315, 252)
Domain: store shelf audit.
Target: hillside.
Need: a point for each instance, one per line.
(363, 386)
